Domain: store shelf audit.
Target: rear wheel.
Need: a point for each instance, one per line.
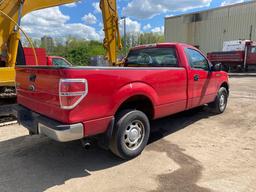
(131, 134)
(220, 103)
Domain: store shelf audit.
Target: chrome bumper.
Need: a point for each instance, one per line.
(55, 130)
(73, 132)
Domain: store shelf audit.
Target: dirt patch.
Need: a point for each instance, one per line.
(185, 178)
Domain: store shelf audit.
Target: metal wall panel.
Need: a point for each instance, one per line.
(209, 29)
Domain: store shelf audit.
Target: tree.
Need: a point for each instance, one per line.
(149, 38)
(78, 52)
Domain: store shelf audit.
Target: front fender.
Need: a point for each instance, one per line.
(224, 79)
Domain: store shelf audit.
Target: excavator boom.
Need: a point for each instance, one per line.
(111, 29)
(13, 7)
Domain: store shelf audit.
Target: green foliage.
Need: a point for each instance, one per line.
(149, 38)
(78, 52)
(134, 39)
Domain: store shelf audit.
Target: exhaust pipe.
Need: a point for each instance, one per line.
(86, 143)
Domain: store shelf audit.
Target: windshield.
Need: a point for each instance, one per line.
(154, 57)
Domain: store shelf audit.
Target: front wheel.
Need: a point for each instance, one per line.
(225, 67)
(131, 134)
(221, 100)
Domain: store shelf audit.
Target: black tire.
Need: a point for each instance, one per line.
(246, 68)
(220, 103)
(225, 67)
(121, 143)
(31, 133)
(2, 89)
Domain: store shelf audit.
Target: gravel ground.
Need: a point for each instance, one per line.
(193, 151)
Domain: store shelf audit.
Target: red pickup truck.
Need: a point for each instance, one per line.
(117, 104)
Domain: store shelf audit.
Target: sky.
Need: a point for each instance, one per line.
(84, 20)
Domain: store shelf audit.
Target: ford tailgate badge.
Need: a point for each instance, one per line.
(32, 78)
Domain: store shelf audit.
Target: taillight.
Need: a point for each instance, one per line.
(72, 92)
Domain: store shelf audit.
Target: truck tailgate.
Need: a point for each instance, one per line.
(38, 89)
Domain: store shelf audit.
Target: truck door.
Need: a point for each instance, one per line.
(201, 82)
(251, 55)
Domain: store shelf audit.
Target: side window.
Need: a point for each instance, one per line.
(253, 50)
(196, 59)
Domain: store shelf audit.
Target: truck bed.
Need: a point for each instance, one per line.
(104, 84)
(226, 56)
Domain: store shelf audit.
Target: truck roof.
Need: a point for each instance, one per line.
(159, 45)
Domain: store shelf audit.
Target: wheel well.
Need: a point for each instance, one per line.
(138, 102)
(225, 85)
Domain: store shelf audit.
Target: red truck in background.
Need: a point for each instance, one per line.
(236, 55)
(117, 104)
(43, 59)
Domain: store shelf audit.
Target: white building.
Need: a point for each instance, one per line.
(209, 29)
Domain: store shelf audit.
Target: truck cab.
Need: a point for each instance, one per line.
(251, 57)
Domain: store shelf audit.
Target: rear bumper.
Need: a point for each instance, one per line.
(55, 130)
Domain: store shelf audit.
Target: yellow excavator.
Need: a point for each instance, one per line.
(11, 52)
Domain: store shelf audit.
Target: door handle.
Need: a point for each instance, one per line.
(196, 77)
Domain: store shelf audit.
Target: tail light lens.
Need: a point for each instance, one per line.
(72, 92)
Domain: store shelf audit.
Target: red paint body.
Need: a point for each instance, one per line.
(42, 58)
(170, 90)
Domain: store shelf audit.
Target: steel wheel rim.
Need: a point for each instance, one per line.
(222, 102)
(134, 135)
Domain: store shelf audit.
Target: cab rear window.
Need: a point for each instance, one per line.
(152, 57)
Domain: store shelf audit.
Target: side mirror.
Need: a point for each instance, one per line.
(216, 67)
